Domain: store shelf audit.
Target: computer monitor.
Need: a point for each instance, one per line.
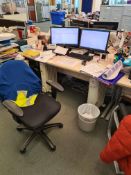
(96, 40)
(104, 25)
(65, 36)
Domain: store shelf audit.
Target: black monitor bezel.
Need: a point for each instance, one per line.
(92, 49)
(75, 45)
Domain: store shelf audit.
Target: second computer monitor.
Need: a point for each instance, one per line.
(96, 40)
(65, 36)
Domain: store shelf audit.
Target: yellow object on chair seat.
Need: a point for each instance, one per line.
(23, 101)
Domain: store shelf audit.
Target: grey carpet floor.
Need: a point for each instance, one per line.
(77, 152)
(44, 26)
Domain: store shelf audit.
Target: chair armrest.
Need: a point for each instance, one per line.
(55, 85)
(13, 108)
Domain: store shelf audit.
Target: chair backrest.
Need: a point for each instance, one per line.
(117, 115)
(112, 127)
(15, 76)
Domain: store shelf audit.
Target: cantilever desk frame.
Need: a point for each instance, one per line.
(50, 68)
(96, 92)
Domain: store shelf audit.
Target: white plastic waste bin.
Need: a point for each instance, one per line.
(87, 116)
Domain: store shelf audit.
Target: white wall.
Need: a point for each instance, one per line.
(80, 6)
(96, 5)
(1, 1)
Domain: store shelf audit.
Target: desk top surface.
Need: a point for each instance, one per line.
(66, 63)
(74, 65)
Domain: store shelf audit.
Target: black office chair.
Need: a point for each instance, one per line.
(34, 118)
(119, 112)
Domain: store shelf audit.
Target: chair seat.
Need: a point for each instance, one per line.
(44, 109)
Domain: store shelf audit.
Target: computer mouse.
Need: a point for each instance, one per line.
(127, 62)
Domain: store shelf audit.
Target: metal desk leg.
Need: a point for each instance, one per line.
(101, 94)
(107, 110)
(115, 99)
(93, 91)
(109, 106)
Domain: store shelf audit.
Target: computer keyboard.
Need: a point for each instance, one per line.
(79, 56)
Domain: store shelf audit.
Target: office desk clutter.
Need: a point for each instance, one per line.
(113, 71)
(31, 53)
(8, 49)
(93, 45)
(6, 36)
(108, 74)
(113, 74)
(36, 55)
(122, 54)
(60, 50)
(74, 40)
(82, 55)
(127, 62)
(45, 56)
(83, 50)
(94, 69)
(120, 42)
(83, 20)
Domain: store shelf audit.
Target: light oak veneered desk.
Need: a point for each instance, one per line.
(72, 67)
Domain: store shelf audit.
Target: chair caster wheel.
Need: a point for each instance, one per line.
(22, 151)
(19, 129)
(61, 125)
(53, 148)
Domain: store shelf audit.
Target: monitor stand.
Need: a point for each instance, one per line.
(85, 57)
(90, 54)
(101, 55)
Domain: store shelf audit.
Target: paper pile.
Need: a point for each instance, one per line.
(8, 50)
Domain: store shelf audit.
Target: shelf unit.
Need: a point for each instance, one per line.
(121, 14)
